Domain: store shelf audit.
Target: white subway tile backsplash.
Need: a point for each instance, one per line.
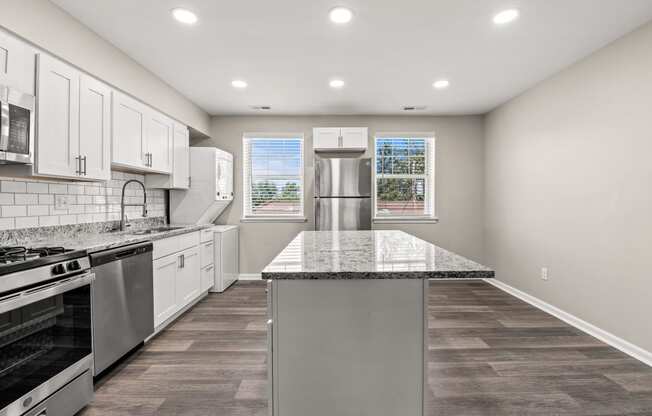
(91, 190)
(26, 199)
(67, 219)
(36, 188)
(48, 220)
(75, 189)
(14, 211)
(7, 224)
(84, 199)
(36, 210)
(56, 188)
(46, 199)
(13, 186)
(26, 203)
(76, 209)
(26, 222)
(6, 199)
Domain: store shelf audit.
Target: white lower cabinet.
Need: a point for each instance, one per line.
(177, 275)
(165, 276)
(188, 281)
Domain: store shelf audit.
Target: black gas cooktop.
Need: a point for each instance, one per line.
(16, 258)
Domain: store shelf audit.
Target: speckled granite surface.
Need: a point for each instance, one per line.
(94, 236)
(380, 254)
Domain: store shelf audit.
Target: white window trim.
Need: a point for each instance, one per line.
(430, 165)
(246, 193)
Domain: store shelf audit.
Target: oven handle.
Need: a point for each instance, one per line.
(20, 299)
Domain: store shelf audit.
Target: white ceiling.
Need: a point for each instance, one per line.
(389, 55)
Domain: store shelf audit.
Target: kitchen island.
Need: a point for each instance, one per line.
(348, 322)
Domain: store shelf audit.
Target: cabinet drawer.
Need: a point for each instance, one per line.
(188, 240)
(165, 247)
(206, 254)
(206, 235)
(174, 244)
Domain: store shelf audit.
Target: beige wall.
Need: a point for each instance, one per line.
(52, 29)
(459, 183)
(569, 187)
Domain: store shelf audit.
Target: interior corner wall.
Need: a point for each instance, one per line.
(568, 186)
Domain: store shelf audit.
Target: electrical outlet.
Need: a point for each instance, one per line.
(544, 273)
(60, 202)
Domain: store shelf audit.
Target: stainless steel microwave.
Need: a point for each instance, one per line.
(16, 126)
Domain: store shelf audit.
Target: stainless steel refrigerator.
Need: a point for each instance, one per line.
(342, 194)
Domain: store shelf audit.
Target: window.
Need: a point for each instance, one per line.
(273, 176)
(404, 177)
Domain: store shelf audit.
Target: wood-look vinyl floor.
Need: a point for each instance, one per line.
(490, 354)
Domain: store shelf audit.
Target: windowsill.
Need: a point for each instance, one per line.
(399, 220)
(273, 219)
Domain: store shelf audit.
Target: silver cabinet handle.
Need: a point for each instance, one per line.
(84, 159)
(78, 170)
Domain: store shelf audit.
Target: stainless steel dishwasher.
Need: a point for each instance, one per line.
(122, 300)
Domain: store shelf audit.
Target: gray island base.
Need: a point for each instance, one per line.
(348, 322)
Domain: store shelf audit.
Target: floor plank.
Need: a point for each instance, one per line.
(490, 354)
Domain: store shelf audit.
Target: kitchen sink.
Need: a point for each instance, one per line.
(155, 230)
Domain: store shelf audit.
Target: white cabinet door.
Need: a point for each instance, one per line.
(354, 138)
(159, 142)
(325, 138)
(165, 299)
(129, 118)
(181, 158)
(188, 282)
(95, 129)
(57, 143)
(17, 60)
(207, 278)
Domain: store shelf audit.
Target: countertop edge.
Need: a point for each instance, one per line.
(343, 275)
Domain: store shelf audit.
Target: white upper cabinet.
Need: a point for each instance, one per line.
(129, 117)
(142, 137)
(95, 128)
(57, 142)
(180, 176)
(159, 142)
(326, 138)
(17, 60)
(181, 158)
(338, 139)
(354, 138)
(73, 123)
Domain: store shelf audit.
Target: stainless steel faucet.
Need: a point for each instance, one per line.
(123, 218)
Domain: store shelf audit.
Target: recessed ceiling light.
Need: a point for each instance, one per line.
(441, 84)
(506, 16)
(336, 83)
(238, 83)
(340, 15)
(184, 16)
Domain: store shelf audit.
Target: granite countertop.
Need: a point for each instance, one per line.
(381, 254)
(97, 241)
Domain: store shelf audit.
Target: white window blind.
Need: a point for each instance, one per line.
(404, 176)
(273, 176)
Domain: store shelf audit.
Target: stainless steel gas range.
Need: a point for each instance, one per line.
(45, 331)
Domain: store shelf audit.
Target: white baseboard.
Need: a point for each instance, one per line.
(604, 336)
(249, 276)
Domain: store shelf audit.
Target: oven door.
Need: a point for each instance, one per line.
(45, 341)
(16, 127)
